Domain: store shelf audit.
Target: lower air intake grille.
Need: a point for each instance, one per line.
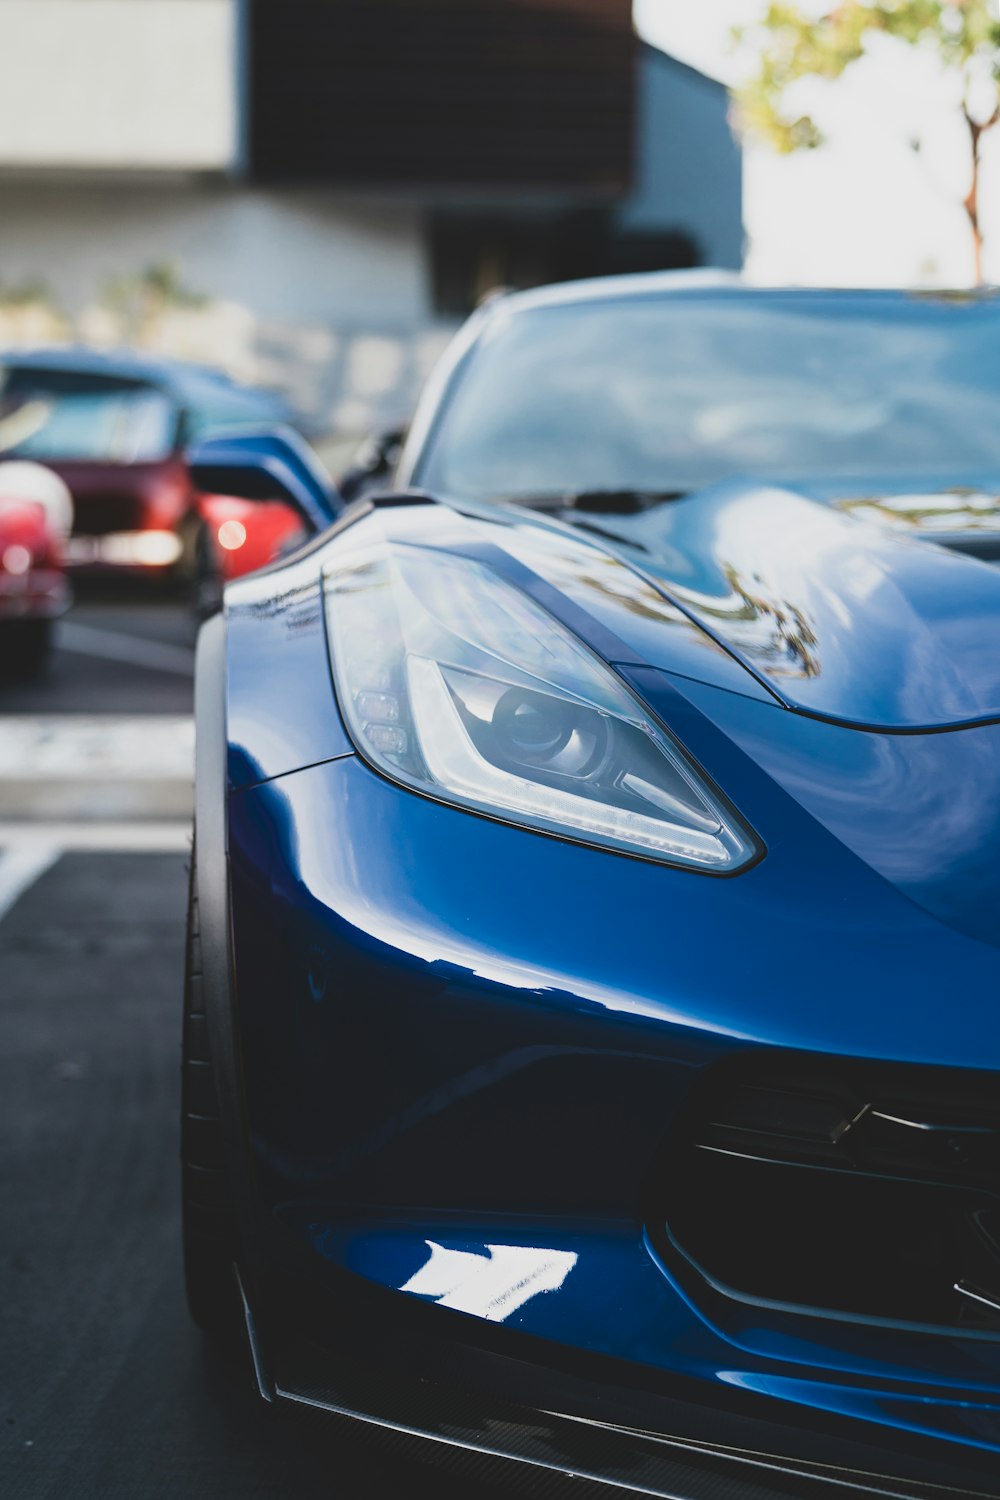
(96, 515)
(861, 1191)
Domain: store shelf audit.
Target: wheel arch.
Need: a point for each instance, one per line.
(218, 973)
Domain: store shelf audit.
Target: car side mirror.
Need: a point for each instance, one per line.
(373, 464)
(271, 463)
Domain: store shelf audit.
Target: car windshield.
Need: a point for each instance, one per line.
(53, 415)
(664, 394)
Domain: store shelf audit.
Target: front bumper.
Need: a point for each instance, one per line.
(545, 1423)
(462, 1066)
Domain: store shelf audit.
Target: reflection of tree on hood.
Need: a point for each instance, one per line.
(765, 629)
(956, 509)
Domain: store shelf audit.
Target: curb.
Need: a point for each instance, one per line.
(70, 767)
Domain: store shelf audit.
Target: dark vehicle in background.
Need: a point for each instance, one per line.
(114, 427)
(373, 464)
(261, 493)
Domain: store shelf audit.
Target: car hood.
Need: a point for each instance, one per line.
(919, 810)
(837, 618)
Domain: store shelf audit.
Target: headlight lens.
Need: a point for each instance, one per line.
(458, 685)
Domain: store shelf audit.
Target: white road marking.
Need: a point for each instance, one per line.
(27, 850)
(20, 866)
(69, 767)
(157, 656)
(116, 838)
(140, 747)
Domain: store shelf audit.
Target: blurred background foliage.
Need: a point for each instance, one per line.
(793, 43)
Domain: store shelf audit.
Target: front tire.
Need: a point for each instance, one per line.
(208, 1213)
(25, 649)
(206, 589)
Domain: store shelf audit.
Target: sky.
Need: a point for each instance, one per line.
(865, 208)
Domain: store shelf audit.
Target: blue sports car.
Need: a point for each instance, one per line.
(592, 1018)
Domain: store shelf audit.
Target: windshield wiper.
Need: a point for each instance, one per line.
(623, 502)
(617, 502)
(570, 505)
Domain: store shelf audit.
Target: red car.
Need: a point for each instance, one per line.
(115, 428)
(36, 513)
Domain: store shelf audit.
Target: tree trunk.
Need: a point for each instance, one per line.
(971, 201)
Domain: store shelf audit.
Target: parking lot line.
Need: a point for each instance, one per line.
(164, 837)
(68, 768)
(157, 656)
(27, 850)
(21, 864)
(99, 837)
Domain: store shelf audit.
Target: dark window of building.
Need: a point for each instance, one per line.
(496, 94)
(473, 254)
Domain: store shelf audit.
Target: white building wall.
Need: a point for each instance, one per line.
(117, 83)
(325, 296)
(118, 131)
(289, 255)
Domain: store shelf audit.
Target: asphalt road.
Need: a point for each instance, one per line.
(114, 655)
(107, 1390)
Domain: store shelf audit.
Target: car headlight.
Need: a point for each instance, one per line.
(457, 685)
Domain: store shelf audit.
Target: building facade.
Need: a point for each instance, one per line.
(313, 192)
